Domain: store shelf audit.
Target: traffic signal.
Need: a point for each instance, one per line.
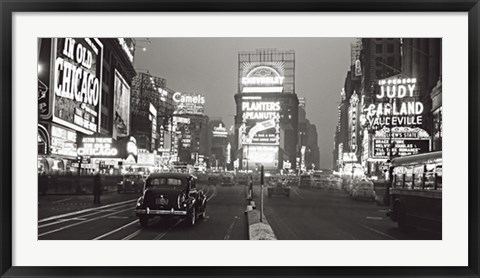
(79, 159)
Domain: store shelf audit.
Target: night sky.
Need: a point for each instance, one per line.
(209, 66)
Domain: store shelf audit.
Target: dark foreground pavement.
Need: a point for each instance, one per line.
(320, 214)
(76, 218)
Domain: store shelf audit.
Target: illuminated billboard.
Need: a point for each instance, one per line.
(397, 104)
(262, 77)
(77, 76)
(186, 103)
(121, 105)
(260, 122)
(402, 141)
(265, 155)
(97, 147)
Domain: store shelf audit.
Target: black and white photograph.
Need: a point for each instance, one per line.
(239, 138)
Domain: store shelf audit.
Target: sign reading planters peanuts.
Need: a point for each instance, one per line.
(260, 122)
(77, 76)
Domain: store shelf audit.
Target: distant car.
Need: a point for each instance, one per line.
(228, 181)
(278, 186)
(171, 194)
(363, 190)
(131, 183)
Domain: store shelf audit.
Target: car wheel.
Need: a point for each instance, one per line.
(143, 221)
(192, 217)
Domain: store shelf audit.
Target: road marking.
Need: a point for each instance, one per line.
(298, 194)
(116, 230)
(377, 231)
(130, 236)
(230, 229)
(118, 217)
(162, 235)
(374, 218)
(83, 211)
(79, 223)
(59, 201)
(70, 219)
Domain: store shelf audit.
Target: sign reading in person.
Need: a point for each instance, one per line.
(397, 105)
(77, 90)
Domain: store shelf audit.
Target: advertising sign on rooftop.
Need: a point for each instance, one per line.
(186, 103)
(263, 78)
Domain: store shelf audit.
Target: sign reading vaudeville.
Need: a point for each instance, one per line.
(77, 83)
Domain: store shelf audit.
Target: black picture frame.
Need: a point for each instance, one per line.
(8, 7)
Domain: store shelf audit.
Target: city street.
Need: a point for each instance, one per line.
(114, 219)
(319, 214)
(312, 214)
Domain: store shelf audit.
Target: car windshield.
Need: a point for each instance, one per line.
(131, 177)
(165, 183)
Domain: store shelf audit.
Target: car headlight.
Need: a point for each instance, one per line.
(140, 202)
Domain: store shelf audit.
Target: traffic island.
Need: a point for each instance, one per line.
(258, 230)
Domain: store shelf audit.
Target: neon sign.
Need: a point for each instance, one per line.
(263, 75)
(187, 98)
(72, 79)
(261, 110)
(95, 146)
(402, 108)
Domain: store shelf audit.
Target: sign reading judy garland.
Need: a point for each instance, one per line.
(397, 117)
(77, 83)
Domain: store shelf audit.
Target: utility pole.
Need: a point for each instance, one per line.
(261, 191)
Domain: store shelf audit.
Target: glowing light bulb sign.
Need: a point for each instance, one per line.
(186, 103)
(397, 105)
(97, 147)
(262, 79)
(77, 74)
(261, 122)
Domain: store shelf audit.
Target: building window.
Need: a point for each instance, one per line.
(378, 61)
(378, 73)
(390, 60)
(378, 48)
(390, 48)
(103, 121)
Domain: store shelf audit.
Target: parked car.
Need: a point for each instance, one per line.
(131, 183)
(171, 194)
(278, 186)
(363, 190)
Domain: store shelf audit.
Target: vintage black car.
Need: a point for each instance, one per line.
(279, 186)
(171, 194)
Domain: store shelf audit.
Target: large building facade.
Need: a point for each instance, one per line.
(266, 121)
(83, 96)
(391, 103)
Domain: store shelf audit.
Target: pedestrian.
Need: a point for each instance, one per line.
(43, 182)
(97, 188)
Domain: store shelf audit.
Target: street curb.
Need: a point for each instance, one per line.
(258, 230)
